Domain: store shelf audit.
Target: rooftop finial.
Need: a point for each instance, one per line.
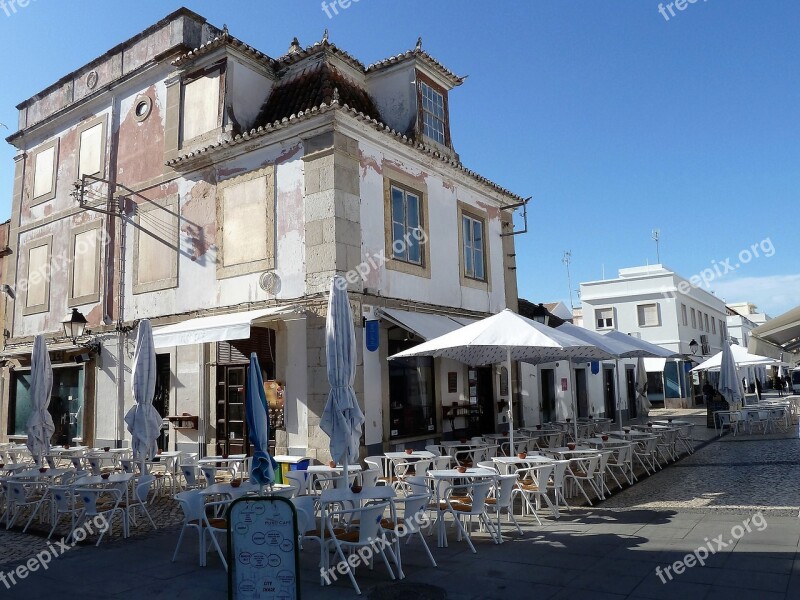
(335, 95)
(325, 36)
(419, 44)
(225, 29)
(294, 46)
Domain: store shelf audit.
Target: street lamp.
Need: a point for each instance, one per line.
(693, 345)
(541, 314)
(74, 325)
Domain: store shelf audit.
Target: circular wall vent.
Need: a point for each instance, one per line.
(270, 282)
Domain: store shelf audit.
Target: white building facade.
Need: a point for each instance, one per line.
(221, 191)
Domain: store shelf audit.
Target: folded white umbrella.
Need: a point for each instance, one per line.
(730, 386)
(643, 403)
(504, 337)
(740, 356)
(143, 420)
(342, 418)
(40, 426)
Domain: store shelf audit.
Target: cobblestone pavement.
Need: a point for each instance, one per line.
(618, 549)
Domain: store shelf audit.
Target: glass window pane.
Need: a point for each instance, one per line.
(413, 211)
(478, 264)
(398, 249)
(467, 230)
(478, 235)
(468, 269)
(414, 254)
(398, 206)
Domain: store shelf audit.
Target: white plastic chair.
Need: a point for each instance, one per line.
(557, 484)
(532, 484)
(621, 460)
(411, 522)
(502, 500)
(95, 506)
(193, 506)
(368, 534)
(584, 469)
(474, 506)
(299, 479)
(213, 526)
(141, 491)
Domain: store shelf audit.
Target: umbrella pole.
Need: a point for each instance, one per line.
(574, 400)
(619, 400)
(511, 449)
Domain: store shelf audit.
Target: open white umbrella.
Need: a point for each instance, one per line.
(620, 346)
(342, 418)
(143, 420)
(741, 357)
(40, 426)
(730, 386)
(504, 337)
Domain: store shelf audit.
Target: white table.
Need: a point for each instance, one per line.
(505, 463)
(415, 455)
(226, 489)
(440, 475)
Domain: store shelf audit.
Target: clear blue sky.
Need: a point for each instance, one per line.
(616, 120)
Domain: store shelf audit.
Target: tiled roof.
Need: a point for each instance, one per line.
(371, 121)
(323, 45)
(419, 53)
(316, 86)
(223, 39)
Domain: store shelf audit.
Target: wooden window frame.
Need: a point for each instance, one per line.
(36, 200)
(407, 183)
(74, 233)
(422, 78)
(467, 210)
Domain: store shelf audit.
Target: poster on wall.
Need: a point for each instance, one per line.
(262, 549)
(372, 335)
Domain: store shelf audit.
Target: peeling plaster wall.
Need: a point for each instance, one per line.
(198, 286)
(247, 90)
(442, 197)
(395, 95)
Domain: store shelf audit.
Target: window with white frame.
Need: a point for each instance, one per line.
(648, 315)
(722, 333)
(694, 318)
(700, 319)
(705, 318)
(473, 247)
(604, 317)
(37, 281)
(45, 163)
(433, 113)
(246, 217)
(201, 105)
(684, 315)
(92, 148)
(713, 325)
(84, 279)
(406, 225)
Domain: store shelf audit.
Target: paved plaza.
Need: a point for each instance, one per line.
(732, 504)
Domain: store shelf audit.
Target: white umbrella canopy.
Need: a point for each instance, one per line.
(504, 337)
(342, 418)
(40, 426)
(740, 356)
(646, 349)
(729, 382)
(620, 346)
(143, 420)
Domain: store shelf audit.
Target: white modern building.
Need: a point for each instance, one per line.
(658, 305)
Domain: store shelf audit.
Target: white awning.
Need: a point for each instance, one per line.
(425, 325)
(216, 328)
(654, 365)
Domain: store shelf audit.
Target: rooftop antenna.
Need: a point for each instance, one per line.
(566, 259)
(656, 237)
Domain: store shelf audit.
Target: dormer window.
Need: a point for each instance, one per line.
(432, 112)
(433, 115)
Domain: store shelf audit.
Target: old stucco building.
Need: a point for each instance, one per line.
(219, 190)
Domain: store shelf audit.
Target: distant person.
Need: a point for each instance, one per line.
(779, 385)
(709, 392)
